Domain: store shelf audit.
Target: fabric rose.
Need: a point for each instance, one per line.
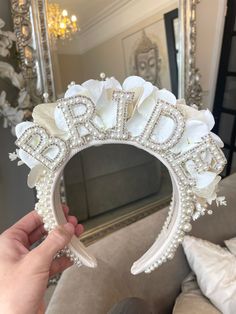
(206, 181)
(199, 123)
(100, 93)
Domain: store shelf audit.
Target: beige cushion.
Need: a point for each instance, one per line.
(191, 300)
(231, 245)
(215, 269)
(90, 291)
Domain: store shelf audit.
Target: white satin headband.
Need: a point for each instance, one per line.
(139, 114)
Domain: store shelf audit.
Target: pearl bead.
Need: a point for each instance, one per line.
(187, 227)
(189, 211)
(46, 226)
(148, 271)
(187, 200)
(171, 256)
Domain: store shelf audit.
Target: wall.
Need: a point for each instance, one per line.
(71, 69)
(16, 198)
(210, 26)
(107, 57)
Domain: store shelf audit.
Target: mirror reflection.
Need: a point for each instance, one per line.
(118, 38)
(111, 181)
(114, 184)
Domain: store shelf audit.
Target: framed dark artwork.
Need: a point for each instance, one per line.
(171, 27)
(224, 109)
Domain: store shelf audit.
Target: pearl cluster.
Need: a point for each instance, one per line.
(79, 112)
(44, 208)
(175, 234)
(68, 253)
(201, 210)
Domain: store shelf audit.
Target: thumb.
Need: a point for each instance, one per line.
(55, 241)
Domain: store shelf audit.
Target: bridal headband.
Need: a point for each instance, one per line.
(134, 113)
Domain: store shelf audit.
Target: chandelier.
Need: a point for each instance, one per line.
(60, 24)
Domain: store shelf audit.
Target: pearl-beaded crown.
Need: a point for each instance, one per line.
(135, 113)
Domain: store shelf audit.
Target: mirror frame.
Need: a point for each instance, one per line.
(189, 75)
(32, 15)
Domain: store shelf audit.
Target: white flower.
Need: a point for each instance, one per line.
(146, 96)
(23, 99)
(206, 181)
(36, 167)
(198, 124)
(196, 215)
(207, 191)
(144, 109)
(13, 156)
(25, 157)
(199, 211)
(34, 175)
(6, 40)
(43, 115)
(221, 201)
(100, 93)
(7, 71)
(11, 115)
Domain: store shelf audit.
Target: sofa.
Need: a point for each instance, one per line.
(94, 291)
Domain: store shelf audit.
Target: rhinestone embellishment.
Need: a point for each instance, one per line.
(80, 113)
(164, 109)
(123, 100)
(36, 142)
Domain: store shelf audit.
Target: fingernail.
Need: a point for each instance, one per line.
(69, 228)
(81, 228)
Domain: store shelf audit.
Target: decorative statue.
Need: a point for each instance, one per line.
(147, 61)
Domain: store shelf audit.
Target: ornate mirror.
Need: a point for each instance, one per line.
(62, 42)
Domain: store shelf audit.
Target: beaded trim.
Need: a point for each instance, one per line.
(79, 113)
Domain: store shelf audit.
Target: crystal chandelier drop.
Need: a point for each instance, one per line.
(60, 24)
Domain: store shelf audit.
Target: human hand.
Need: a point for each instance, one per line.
(24, 273)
